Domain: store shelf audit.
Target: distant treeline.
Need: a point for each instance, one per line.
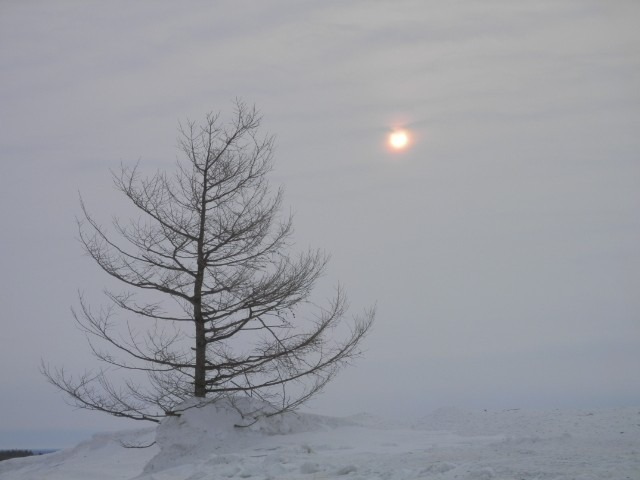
(7, 454)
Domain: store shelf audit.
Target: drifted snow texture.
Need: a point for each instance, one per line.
(205, 444)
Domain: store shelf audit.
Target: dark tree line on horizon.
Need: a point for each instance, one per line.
(15, 453)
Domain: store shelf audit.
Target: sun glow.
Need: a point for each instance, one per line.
(398, 139)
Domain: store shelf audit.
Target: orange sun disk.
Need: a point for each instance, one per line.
(399, 139)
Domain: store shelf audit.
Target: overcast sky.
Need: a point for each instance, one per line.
(502, 248)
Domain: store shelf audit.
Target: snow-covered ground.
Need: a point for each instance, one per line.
(449, 443)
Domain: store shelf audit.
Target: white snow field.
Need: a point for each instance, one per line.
(204, 444)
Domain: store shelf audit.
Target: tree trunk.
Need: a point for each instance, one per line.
(199, 382)
(199, 375)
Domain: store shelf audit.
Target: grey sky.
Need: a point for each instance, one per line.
(501, 249)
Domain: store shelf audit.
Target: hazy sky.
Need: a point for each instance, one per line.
(502, 248)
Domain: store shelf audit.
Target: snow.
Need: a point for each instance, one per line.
(206, 444)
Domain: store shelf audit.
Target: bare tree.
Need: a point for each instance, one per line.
(212, 302)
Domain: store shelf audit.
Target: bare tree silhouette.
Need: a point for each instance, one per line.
(212, 301)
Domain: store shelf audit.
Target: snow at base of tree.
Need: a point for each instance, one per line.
(206, 444)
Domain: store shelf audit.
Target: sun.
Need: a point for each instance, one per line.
(399, 139)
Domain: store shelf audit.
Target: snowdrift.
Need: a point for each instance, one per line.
(226, 427)
(206, 443)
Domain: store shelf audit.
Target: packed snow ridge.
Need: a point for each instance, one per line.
(229, 440)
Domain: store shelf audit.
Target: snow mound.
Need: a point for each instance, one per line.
(225, 425)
